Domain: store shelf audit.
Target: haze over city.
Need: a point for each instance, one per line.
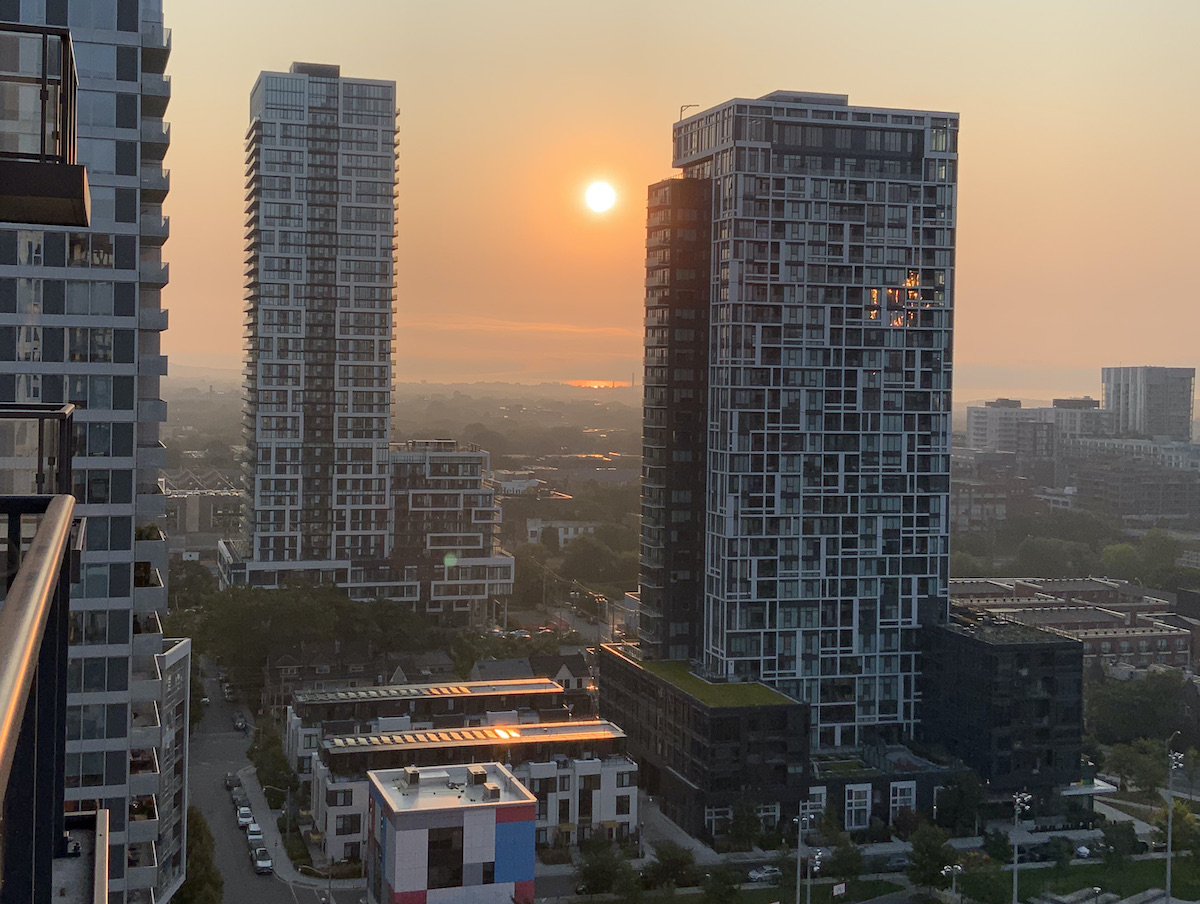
(1070, 220)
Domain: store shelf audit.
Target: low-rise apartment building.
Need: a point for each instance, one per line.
(594, 787)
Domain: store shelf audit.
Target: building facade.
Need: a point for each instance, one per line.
(1006, 699)
(80, 321)
(825, 421)
(445, 557)
(703, 747)
(320, 167)
(450, 836)
(1151, 401)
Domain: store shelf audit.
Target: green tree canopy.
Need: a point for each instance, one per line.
(930, 853)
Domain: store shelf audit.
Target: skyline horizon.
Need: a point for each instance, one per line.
(503, 273)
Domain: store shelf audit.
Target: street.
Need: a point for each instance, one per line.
(216, 748)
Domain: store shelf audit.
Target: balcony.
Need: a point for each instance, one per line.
(141, 863)
(146, 683)
(156, 46)
(155, 183)
(154, 319)
(147, 633)
(156, 139)
(149, 594)
(151, 455)
(156, 93)
(154, 274)
(143, 771)
(154, 228)
(39, 179)
(151, 411)
(145, 726)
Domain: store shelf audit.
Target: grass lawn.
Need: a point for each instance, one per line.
(860, 890)
(1124, 879)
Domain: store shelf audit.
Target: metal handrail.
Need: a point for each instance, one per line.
(23, 621)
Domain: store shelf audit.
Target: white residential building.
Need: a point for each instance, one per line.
(320, 165)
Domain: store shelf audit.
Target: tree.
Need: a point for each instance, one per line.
(958, 804)
(1060, 849)
(189, 584)
(1185, 828)
(721, 885)
(846, 861)
(627, 884)
(673, 864)
(930, 853)
(599, 862)
(744, 827)
(905, 823)
(1149, 765)
(1121, 841)
(204, 883)
(1119, 761)
(997, 846)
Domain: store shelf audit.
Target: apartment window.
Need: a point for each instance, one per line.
(904, 797)
(339, 798)
(564, 783)
(626, 779)
(623, 804)
(351, 824)
(445, 858)
(858, 807)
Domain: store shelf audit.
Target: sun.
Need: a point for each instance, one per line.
(600, 196)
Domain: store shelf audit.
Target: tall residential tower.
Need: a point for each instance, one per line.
(800, 288)
(80, 321)
(320, 169)
(1151, 401)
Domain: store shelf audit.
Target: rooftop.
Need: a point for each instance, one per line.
(537, 733)
(431, 690)
(449, 787)
(1003, 632)
(681, 676)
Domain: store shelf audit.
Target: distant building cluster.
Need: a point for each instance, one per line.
(1130, 455)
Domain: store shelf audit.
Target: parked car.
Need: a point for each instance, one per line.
(263, 864)
(232, 781)
(896, 863)
(766, 874)
(244, 817)
(239, 798)
(228, 692)
(254, 835)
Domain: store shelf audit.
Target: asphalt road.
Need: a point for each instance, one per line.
(216, 748)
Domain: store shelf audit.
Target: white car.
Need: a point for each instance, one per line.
(263, 864)
(766, 874)
(254, 836)
(244, 817)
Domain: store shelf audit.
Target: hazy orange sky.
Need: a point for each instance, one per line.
(1079, 191)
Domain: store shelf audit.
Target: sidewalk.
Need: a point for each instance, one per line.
(273, 841)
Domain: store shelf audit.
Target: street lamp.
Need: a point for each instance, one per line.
(1096, 894)
(953, 870)
(1021, 802)
(802, 824)
(1174, 763)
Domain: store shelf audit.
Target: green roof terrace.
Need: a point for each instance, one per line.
(713, 694)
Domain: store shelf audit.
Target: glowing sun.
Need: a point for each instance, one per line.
(600, 196)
